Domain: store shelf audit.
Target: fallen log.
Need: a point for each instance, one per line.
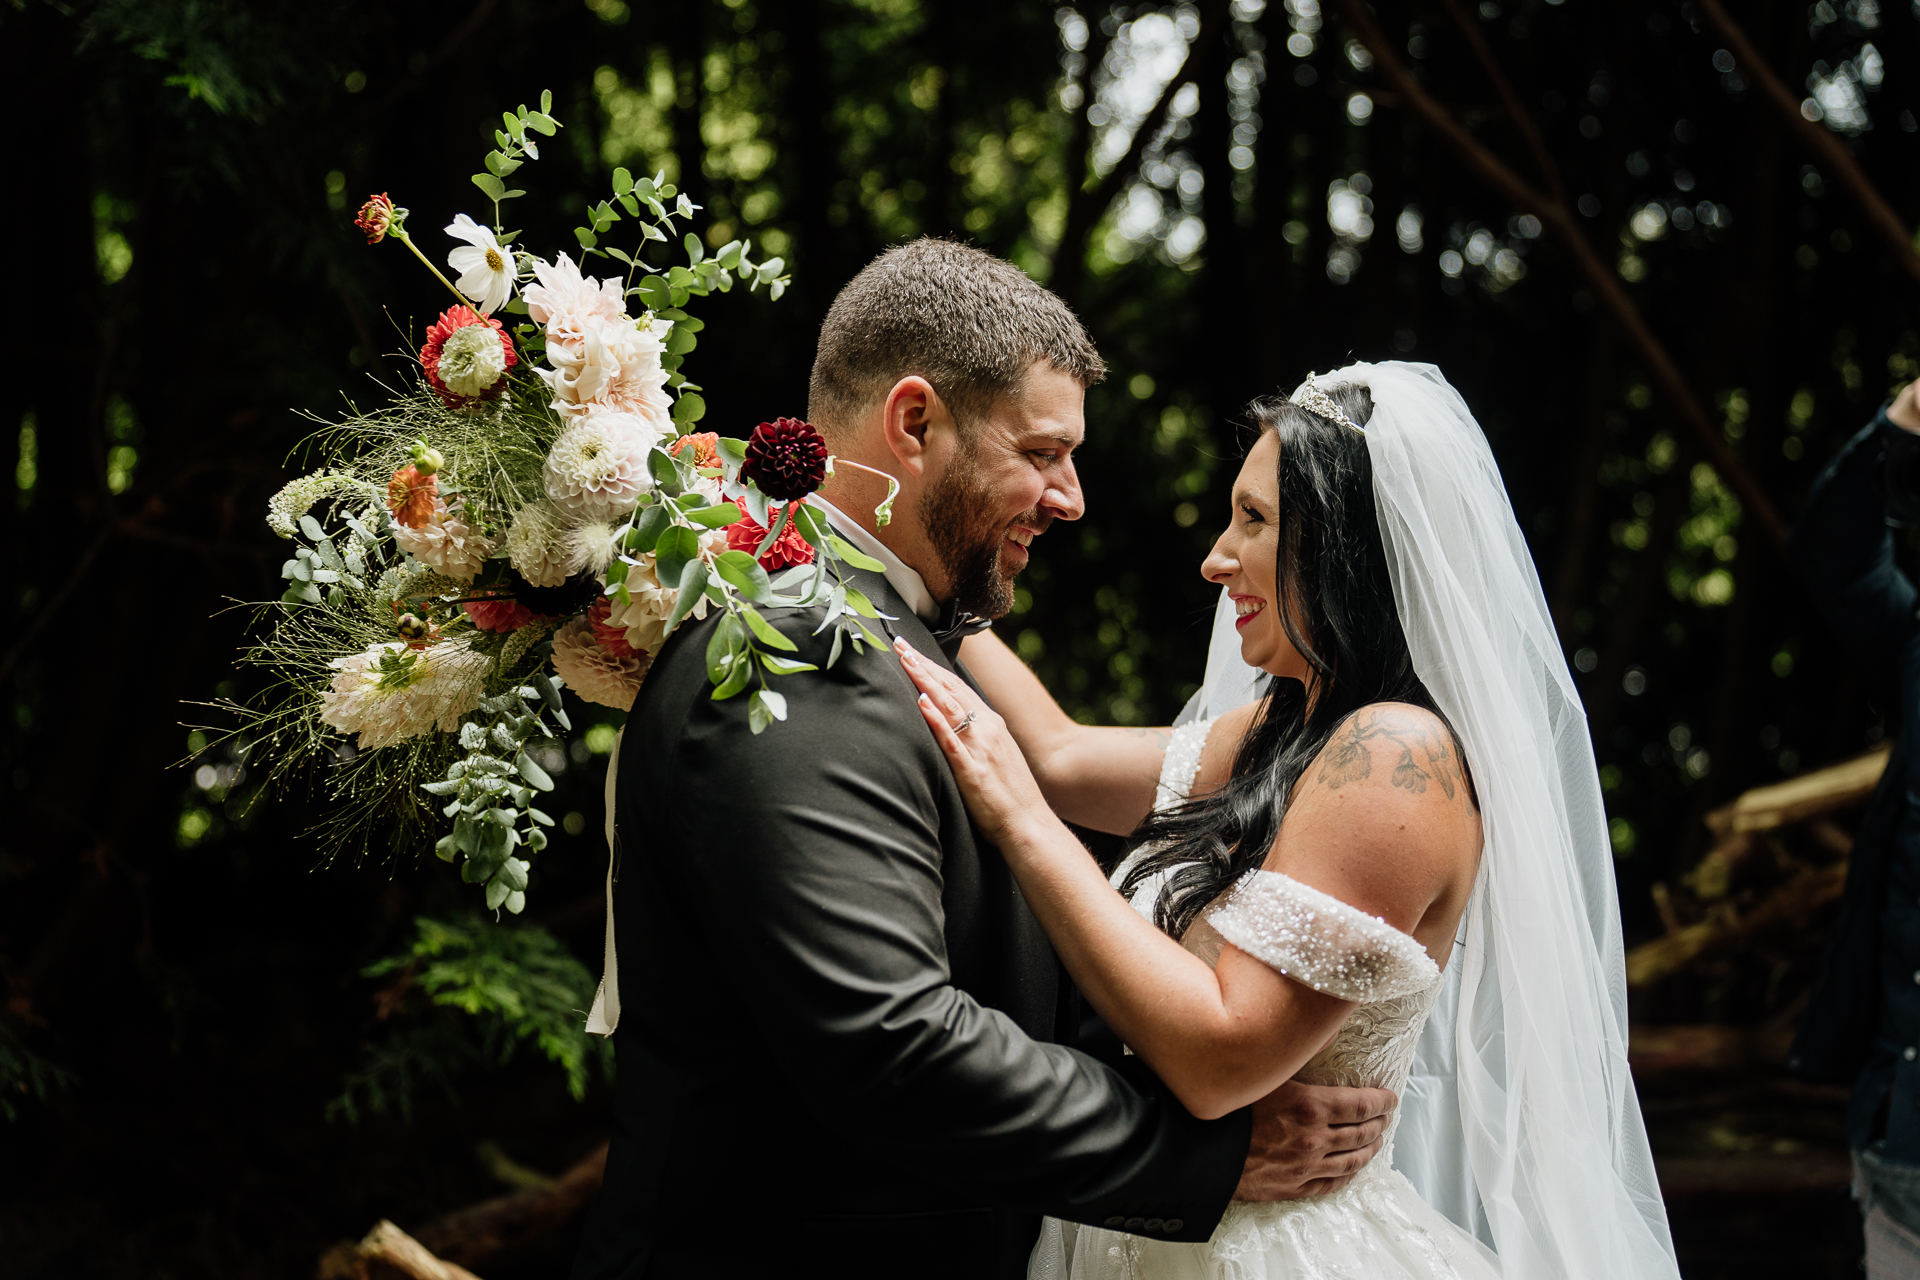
(470, 1235)
(388, 1253)
(480, 1231)
(1788, 905)
(1809, 798)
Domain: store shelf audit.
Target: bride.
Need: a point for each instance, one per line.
(1301, 866)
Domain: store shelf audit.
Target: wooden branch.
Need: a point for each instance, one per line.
(1811, 795)
(1816, 138)
(1085, 206)
(1807, 799)
(1556, 217)
(472, 1234)
(1789, 905)
(388, 1253)
(480, 1231)
(1522, 118)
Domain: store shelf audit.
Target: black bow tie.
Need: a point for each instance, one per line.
(954, 625)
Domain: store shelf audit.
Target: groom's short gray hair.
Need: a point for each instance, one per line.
(967, 322)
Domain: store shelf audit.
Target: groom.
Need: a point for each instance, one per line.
(845, 1047)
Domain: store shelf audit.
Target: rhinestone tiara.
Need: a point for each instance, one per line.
(1310, 397)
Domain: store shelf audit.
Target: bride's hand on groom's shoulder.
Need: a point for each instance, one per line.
(1000, 790)
(1310, 1140)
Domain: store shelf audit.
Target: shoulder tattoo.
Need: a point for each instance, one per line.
(1159, 737)
(1422, 754)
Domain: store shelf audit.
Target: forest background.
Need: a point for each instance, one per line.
(1659, 285)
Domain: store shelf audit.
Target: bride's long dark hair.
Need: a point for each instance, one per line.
(1335, 599)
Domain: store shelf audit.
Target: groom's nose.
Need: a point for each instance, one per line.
(1063, 499)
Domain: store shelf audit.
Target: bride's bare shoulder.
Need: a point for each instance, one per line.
(1398, 745)
(1384, 817)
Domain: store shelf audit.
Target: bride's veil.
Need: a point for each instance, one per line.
(1552, 1127)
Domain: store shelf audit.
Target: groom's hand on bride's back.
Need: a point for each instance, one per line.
(1310, 1140)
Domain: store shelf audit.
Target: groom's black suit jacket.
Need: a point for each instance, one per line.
(839, 1048)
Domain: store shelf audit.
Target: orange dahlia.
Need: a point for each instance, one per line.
(410, 496)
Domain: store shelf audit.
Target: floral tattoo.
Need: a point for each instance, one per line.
(1349, 757)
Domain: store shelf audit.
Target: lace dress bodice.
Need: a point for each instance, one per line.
(1376, 1227)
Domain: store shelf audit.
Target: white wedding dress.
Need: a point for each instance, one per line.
(1376, 1227)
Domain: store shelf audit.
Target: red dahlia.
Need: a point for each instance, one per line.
(746, 534)
(786, 458)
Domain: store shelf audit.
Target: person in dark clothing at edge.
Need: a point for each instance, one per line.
(1863, 1022)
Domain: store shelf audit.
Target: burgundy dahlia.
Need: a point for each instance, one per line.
(786, 458)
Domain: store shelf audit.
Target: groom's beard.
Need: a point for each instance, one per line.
(956, 512)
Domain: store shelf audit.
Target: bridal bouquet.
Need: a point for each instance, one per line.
(533, 513)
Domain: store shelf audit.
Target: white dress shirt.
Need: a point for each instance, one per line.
(904, 579)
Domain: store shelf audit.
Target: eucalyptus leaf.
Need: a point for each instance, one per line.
(678, 547)
(744, 572)
(853, 555)
(765, 631)
(653, 522)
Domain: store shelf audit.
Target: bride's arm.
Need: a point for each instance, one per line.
(1099, 777)
(1223, 1037)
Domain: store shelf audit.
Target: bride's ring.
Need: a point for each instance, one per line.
(965, 724)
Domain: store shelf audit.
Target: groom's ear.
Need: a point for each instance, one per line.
(910, 417)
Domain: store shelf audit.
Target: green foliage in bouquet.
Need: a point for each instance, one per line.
(466, 994)
(532, 513)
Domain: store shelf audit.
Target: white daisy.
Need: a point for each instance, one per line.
(486, 268)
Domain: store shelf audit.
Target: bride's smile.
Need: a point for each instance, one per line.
(1246, 561)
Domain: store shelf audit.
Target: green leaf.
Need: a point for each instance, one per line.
(765, 631)
(812, 523)
(776, 703)
(678, 547)
(693, 580)
(545, 123)
(733, 449)
(665, 474)
(853, 555)
(497, 891)
(859, 603)
(758, 717)
(785, 666)
(586, 238)
(655, 293)
(695, 249)
(643, 188)
(718, 516)
(745, 573)
(736, 681)
(653, 522)
(495, 189)
(770, 268)
(546, 100)
(689, 409)
(729, 255)
(681, 278)
(621, 255)
(622, 182)
(724, 646)
(533, 773)
(681, 340)
(549, 692)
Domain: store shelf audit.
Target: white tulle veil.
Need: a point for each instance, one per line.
(1549, 1121)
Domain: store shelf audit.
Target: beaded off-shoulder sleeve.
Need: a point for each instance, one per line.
(1320, 941)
